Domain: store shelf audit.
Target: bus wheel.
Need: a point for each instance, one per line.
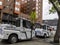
(45, 35)
(13, 39)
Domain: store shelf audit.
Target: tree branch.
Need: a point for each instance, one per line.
(54, 5)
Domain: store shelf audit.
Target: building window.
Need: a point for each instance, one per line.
(22, 0)
(36, 0)
(36, 8)
(0, 2)
(17, 3)
(39, 10)
(39, 6)
(39, 0)
(25, 1)
(28, 0)
(36, 12)
(17, 9)
(7, 0)
(33, 0)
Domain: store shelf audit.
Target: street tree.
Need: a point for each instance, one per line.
(56, 8)
(33, 17)
(33, 20)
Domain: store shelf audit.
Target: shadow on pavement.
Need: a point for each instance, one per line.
(3, 42)
(54, 43)
(39, 40)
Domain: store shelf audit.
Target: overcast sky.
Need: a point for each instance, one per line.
(46, 14)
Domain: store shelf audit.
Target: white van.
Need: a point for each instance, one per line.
(42, 31)
(22, 31)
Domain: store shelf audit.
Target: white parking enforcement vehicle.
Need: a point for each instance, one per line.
(42, 31)
(13, 33)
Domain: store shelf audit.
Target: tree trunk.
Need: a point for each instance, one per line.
(56, 37)
(31, 30)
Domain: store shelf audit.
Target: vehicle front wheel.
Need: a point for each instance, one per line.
(45, 36)
(13, 39)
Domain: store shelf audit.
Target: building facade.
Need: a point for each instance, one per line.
(15, 8)
(39, 4)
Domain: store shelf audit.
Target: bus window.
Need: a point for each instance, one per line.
(37, 25)
(44, 27)
(17, 23)
(26, 24)
(48, 27)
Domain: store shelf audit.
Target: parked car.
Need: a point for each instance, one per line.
(42, 31)
(13, 33)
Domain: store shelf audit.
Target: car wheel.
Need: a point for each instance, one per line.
(13, 39)
(45, 35)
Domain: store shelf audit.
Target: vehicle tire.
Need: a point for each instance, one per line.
(13, 39)
(45, 36)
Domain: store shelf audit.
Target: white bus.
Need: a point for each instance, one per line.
(21, 31)
(42, 31)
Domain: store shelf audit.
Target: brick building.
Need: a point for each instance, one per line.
(39, 4)
(10, 9)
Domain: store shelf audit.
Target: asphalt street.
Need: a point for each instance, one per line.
(35, 41)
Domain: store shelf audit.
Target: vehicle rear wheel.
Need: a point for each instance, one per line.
(13, 39)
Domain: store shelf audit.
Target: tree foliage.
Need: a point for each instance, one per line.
(55, 7)
(33, 16)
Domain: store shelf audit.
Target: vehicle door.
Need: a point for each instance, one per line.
(27, 28)
(19, 24)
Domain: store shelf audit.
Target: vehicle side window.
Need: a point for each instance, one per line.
(17, 23)
(44, 27)
(26, 24)
(9, 28)
(47, 27)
